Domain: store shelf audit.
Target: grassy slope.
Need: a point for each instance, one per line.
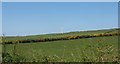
(70, 50)
(61, 35)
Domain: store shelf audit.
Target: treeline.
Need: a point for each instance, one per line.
(62, 38)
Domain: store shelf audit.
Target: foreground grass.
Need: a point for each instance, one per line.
(99, 49)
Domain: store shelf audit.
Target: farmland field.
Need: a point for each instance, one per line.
(80, 50)
(57, 35)
(97, 49)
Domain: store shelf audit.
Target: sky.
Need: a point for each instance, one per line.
(28, 18)
(60, 0)
(0, 18)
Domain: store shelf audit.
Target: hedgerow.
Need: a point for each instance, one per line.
(62, 38)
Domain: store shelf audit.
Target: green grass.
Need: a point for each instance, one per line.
(77, 33)
(79, 50)
(0, 49)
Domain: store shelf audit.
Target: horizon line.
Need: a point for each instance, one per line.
(60, 32)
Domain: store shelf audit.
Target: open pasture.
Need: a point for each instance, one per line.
(81, 50)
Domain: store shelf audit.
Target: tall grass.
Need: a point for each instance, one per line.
(102, 49)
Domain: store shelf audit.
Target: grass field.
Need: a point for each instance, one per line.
(57, 35)
(80, 50)
(0, 49)
(98, 49)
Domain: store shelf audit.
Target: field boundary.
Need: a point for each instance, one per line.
(61, 38)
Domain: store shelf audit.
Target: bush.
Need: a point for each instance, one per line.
(6, 57)
(63, 38)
